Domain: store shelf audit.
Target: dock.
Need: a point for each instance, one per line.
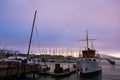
(14, 69)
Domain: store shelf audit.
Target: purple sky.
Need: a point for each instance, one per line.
(60, 23)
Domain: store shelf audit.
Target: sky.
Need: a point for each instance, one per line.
(60, 23)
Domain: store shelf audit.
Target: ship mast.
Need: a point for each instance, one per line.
(87, 40)
(31, 34)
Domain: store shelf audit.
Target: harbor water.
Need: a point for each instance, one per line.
(109, 72)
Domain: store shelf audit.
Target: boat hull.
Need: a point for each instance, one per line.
(90, 74)
(63, 74)
(89, 66)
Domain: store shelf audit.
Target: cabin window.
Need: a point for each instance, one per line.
(94, 60)
(89, 59)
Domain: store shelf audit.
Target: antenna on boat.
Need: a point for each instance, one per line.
(92, 44)
(31, 35)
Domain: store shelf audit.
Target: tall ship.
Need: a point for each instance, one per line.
(88, 64)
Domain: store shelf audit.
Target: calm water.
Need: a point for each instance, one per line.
(109, 72)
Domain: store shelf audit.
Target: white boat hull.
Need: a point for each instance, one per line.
(89, 66)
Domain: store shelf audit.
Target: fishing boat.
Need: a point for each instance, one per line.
(88, 64)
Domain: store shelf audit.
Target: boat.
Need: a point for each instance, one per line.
(58, 72)
(43, 69)
(88, 64)
(66, 72)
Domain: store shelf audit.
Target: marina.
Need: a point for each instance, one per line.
(39, 40)
(109, 72)
(13, 69)
(23, 71)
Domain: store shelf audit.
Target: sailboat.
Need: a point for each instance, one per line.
(43, 69)
(88, 64)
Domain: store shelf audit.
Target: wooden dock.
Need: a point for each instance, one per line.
(10, 69)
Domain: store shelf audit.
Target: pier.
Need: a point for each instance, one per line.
(15, 69)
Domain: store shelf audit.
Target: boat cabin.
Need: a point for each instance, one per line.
(89, 53)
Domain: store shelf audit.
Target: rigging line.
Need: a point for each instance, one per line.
(38, 37)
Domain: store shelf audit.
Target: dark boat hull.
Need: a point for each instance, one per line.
(111, 62)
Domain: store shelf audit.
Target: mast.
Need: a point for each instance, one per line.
(87, 39)
(31, 35)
